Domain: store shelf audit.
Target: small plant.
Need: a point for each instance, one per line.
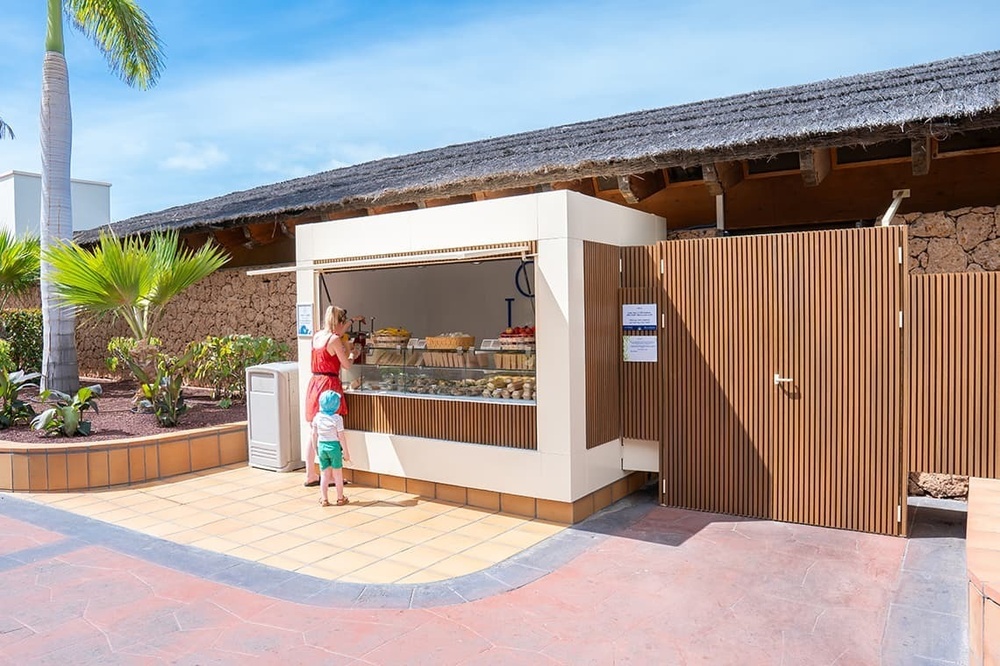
(120, 349)
(222, 362)
(65, 417)
(13, 410)
(162, 386)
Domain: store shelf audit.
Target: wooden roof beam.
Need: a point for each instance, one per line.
(920, 152)
(814, 164)
(721, 176)
(636, 187)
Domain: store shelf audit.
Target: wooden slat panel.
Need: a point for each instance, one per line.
(641, 383)
(819, 307)
(954, 401)
(496, 424)
(602, 348)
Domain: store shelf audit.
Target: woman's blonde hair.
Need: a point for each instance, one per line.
(334, 315)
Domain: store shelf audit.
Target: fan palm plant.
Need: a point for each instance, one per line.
(18, 264)
(131, 278)
(5, 130)
(128, 40)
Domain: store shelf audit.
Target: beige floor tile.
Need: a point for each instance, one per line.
(189, 536)
(347, 518)
(345, 562)
(164, 529)
(252, 534)
(377, 509)
(199, 520)
(452, 543)
(248, 553)
(285, 522)
(543, 528)
(311, 552)
(503, 520)
(470, 514)
(480, 531)
(281, 562)
(444, 523)
(420, 557)
(139, 522)
(492, 551)
(435, 508)
(518, 538)
(279, 543)
(382, 547)
(215, 543)
(110, 513)
(223, 526)
(317, 572)
(346, 538)
(424, 576)
(459, 565)
(415, 534)
(191, 497)
(379, 573)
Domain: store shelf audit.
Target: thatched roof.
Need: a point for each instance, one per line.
(939, 97)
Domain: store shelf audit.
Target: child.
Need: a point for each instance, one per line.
(328, 439)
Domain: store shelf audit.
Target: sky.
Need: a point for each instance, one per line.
(255, 92)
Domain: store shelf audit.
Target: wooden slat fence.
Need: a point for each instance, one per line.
(954, 335)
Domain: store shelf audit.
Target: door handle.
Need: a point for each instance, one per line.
(778, 379)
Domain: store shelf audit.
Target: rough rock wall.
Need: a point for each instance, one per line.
(954, 241)
(228, 301)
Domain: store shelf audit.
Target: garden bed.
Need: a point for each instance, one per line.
(116, 420)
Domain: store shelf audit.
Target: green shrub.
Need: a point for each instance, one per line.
(6, 357)
(22, 328)
(222, 362)
(65, 417)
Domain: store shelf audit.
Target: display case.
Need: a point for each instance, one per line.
(492, 375)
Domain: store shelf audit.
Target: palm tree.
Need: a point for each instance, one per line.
(126, 36)
(5, 130)
(130, 278)
(18, 264)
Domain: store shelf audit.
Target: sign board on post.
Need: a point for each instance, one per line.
(304, 319)
(639, 317)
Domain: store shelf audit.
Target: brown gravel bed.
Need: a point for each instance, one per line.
(116, 420)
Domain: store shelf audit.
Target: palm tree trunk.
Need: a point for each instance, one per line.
(59, 363)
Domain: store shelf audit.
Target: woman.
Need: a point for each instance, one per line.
(329, 354)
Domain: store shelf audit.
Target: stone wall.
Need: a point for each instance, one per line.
(955, 241)
(228, 301)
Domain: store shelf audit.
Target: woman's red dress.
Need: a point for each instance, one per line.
(325, 377)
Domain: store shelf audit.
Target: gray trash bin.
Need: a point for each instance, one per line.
(273, 416)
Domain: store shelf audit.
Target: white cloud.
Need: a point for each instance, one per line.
(188, 157)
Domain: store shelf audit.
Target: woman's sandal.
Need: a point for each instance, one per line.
(342, 501)
(324, 502)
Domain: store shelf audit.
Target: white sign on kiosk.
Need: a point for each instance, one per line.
(639, 317)
(304, 319)
(639, 348)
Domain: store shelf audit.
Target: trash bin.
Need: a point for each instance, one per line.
(273, 416)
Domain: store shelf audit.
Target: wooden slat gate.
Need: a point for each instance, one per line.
(782, 386)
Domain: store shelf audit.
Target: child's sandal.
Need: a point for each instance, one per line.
(324, 502)
(342, 501)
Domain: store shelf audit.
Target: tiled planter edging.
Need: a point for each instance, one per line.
(982, 554)
(75, 464)
(566, 513)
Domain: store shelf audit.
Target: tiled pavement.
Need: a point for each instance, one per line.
(637, 583)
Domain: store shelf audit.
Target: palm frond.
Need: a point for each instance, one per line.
(5, 130)
(125, 35)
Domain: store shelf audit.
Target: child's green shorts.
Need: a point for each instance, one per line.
(331, 455)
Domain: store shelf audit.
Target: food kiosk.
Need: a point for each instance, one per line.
(474, 381)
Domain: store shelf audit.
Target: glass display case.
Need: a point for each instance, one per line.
(469, 374)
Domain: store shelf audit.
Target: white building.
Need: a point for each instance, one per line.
(21, 202)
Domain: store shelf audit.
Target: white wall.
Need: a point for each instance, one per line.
(21, 202)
